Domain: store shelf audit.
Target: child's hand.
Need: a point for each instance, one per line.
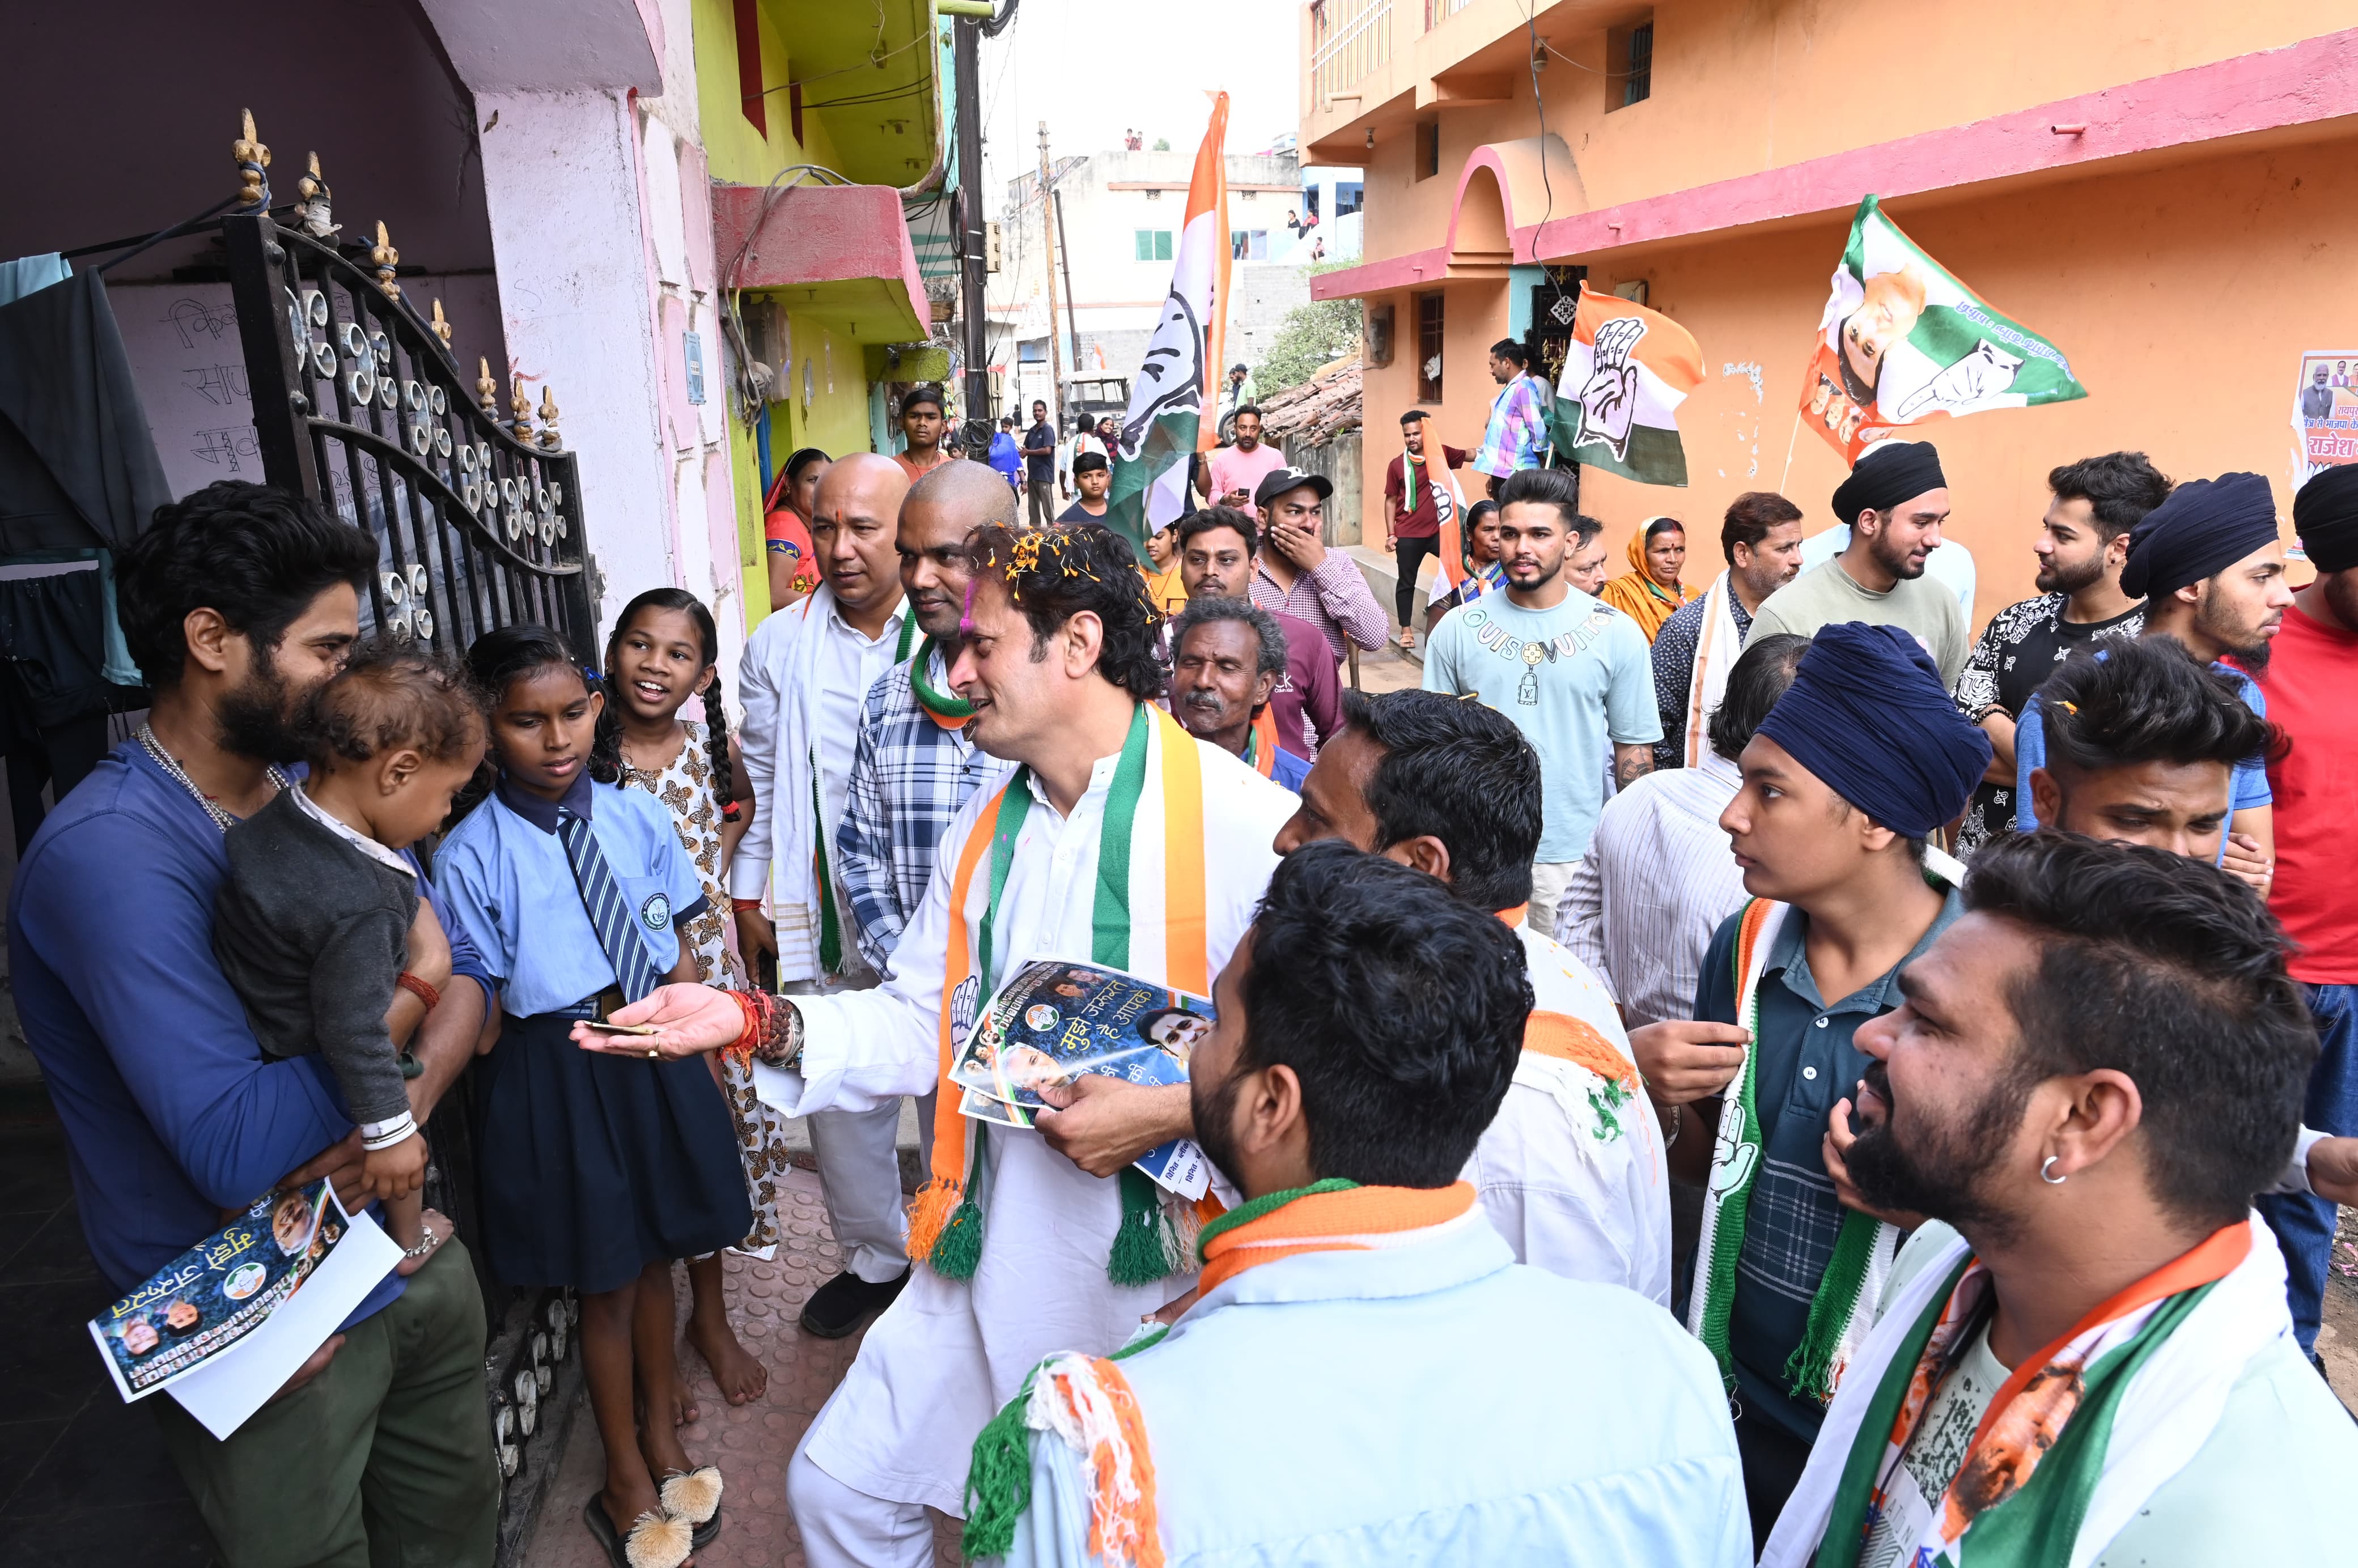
(397, 1172)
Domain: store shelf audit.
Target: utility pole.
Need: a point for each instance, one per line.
(974, 278)
(1048, 236)
(1065, 245)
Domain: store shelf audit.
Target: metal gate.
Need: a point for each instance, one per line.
(359, 405)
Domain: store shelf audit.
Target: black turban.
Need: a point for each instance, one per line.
(1868, 715)
(2205, 526)
(2325, 516)
(1888, 473)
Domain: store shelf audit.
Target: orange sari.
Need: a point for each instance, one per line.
(1639, 596)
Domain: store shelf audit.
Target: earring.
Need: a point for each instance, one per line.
(2047, 1166)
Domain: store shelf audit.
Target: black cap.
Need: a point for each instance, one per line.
(1279, 480)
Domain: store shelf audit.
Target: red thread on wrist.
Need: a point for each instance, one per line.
(419, 989)
(742, 905)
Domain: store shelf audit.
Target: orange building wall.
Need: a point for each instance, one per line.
(2183, 294)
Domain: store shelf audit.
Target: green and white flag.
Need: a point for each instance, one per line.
(1164, 427)
(1616, 404)
(1902, 342)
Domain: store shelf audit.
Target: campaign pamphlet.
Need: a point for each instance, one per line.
(270, 1286)
(1057, 1020)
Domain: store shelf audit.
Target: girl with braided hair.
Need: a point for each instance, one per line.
(663, 652)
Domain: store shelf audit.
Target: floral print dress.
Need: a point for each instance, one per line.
(685, 786)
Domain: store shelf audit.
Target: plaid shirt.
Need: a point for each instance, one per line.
(1517, 437)
(1331, 596)
(909, 777)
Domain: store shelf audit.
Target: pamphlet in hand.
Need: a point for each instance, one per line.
(237, 1291)
(1055, 1021)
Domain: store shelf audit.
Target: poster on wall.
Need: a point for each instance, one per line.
(2324, 411)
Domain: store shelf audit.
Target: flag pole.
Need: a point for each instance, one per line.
(1789, 451)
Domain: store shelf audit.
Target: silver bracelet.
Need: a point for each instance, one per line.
(424, 1246)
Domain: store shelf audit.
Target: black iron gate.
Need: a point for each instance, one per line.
(358, 404)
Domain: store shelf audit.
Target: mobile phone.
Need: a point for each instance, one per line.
(605, 1028)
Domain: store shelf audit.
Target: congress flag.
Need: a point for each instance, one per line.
(1616, 404)
(1902, 342)
(1164, 427)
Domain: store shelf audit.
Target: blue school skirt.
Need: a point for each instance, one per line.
(594, 1167)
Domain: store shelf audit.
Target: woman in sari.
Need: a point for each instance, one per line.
(1650, 592)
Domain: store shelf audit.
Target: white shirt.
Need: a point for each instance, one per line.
(1570, 1192)
(1658, 879)
(850, 662)
(350, 835)
(947, 1353)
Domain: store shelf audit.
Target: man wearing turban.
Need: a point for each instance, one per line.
(2207, 564)
(1860, 761)
(2311, 681)
(1895, 503)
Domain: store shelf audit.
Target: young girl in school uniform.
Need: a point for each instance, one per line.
(664, 650)
(596, 1172)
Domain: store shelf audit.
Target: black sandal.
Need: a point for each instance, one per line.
(655, 1540)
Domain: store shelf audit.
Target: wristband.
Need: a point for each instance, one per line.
(742, 905)
(418, 988)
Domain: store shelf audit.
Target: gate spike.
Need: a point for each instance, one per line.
(487, 390)
(318, 220)
(251, 157)
(387, 259)
(441, 328)
(548, 435)
(520, 403)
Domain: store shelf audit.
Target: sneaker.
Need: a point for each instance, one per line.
(839, 1307)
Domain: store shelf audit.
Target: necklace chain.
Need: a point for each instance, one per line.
(165, 760)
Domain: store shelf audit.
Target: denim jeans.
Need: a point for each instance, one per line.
(2304, 1225)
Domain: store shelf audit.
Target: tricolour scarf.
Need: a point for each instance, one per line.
(1717, 645)
(945, 708)
(2076, 1442)
(1844, 1308)
(1448, 500)
(1149, 915)
(1260, 745)
(1088, 1402)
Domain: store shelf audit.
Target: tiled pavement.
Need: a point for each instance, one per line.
(751, 1442)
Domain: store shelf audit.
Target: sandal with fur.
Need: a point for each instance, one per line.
(655, 1541)
(694, 1495)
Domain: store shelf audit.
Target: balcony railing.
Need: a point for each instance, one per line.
(1351, 39)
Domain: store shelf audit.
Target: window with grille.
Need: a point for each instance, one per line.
(1428, 348)
(1351, 195)
(1640, 83)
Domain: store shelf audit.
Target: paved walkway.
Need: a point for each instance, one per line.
(753, 1443)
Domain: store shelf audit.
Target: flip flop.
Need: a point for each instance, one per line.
(694, 1496)
(655, 1541)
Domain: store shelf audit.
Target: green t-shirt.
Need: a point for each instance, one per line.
(1925, 608)
(2264, 1488)
(1575, 679)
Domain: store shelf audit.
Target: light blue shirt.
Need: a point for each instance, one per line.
(1952, 565)
(1572, 678)
(2250, 781)
(504, 869)
(1433, 1401)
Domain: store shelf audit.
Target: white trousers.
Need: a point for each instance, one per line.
(860, 1167)
(842, 1528)
(1551, 880)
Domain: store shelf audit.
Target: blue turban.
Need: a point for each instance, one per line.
(2205, 526)
(1868, 715)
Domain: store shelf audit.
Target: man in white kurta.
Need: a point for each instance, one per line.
(1571, 1171)
(804, 672)
(897, 1434)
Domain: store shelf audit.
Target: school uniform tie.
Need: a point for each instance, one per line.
(609, 912)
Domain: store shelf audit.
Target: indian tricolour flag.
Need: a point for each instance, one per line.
(1616, 405)
(1164, 427)
(1901, 341)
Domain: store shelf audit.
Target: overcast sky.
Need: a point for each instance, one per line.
(1093, 68)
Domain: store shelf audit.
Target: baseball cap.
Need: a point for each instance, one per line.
(1279, 480)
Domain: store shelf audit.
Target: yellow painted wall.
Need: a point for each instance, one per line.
(740, 154)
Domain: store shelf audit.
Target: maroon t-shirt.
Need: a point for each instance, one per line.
(1423, 523)
(1311, 686)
